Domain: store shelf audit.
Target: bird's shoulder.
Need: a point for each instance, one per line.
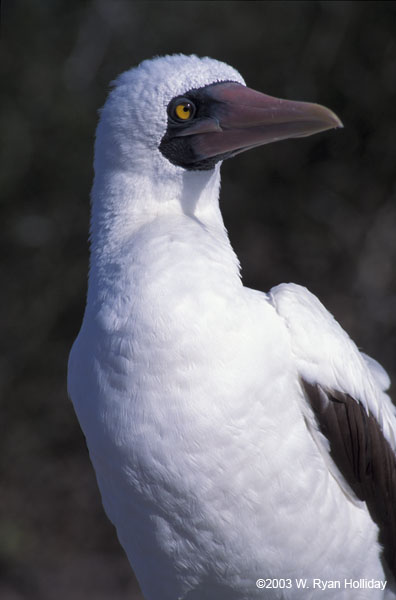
(323, 350)
(325, 355)
(346, 409)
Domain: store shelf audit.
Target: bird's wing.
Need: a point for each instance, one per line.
(346, 408)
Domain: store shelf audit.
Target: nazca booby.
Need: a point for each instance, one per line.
(235, 435)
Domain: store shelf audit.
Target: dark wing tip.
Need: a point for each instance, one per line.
(363, 456)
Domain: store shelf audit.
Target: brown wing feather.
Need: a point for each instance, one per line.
(363, 456)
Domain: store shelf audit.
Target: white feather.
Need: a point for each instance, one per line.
(186, 384)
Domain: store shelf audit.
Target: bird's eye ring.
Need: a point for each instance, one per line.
(182, 109)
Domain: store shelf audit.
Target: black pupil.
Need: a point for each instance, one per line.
(186, 107)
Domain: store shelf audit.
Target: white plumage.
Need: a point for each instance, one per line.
(188, 386)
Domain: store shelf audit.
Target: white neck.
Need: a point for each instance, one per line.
(122, 202)
(125, 203)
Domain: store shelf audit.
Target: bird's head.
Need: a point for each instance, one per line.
(189, 113)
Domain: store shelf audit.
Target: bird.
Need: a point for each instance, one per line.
(243, 446)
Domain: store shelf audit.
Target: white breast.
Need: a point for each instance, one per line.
(195, 430)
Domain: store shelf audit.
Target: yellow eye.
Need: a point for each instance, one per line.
(183, 110)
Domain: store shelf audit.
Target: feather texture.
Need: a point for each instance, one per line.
(215, 463)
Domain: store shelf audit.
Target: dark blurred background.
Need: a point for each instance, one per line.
(319, 211)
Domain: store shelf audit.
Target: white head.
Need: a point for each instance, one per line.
(167, 125)
(132, 125)
(134, 119)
